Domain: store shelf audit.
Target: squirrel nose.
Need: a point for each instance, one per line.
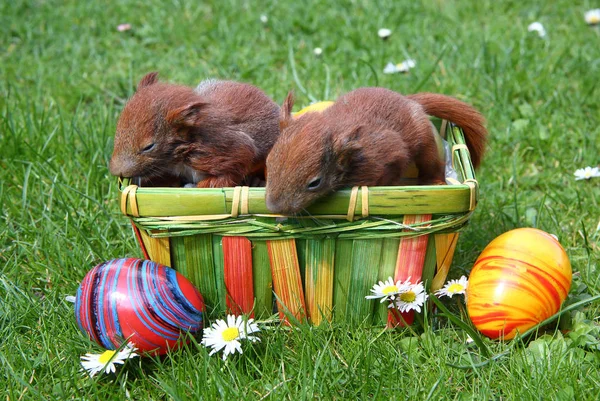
(271, 203)
(120, 168)
(113, 167)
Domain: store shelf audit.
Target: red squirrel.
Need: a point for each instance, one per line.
(212, 136)
(369, 136)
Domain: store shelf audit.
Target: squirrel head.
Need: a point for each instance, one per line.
(153, 126)
(310, 159)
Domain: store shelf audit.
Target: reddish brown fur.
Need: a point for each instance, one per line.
(367, 137)
(214, 135)
(461, 114)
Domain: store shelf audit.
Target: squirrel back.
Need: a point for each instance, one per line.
(211, 136)
(369, 136)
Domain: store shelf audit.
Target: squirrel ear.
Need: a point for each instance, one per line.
(285, 116)
(347, 147)
(149, 79)
(188, 115)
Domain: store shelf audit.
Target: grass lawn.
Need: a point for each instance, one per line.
(66, 72)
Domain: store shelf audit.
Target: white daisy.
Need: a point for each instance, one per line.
(587, 173)
(387, 290)
(592, 17)
(453, 287)
(228, 335)
(318, 51)
(390, 68)
(412, 298)
(123, 27)
(94, 363)
(384, 33)
(538, 28)
(264, 19)
(405, 66)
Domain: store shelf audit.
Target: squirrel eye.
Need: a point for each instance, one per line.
(148, 148)
(314, 183)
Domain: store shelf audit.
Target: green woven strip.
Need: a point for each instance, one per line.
(301, 252)
(387, 267)
(263, 280)
(372, 227)
(193, 257)
(430, 263)
(219, 271)
(342, 277)
(366, 255)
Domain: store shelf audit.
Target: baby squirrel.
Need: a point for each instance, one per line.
(212, 136)
(369, 136)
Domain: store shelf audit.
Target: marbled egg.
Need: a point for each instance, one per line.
(520, 279)
(141, 301)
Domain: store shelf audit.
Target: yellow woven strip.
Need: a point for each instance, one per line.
(244, 200)
(473, 184)
(443, 128)
(133, 202)
(365, 201)
(458, 147)
(352, 204)
(124, 202)
(235, 202)
(124, 196)
(129, 193)
(287, 281)
(318, 288)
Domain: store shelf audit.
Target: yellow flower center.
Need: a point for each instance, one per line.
(389, 289)
(594, 19)
(408, 296)
(454, 288)
(230, 333)
(106, 356)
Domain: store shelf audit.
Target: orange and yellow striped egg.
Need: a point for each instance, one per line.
(520, 279)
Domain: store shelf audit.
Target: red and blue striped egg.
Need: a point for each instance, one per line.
(145, 303)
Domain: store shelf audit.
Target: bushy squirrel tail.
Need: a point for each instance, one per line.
(461, 114)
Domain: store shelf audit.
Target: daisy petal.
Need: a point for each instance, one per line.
(227, 335)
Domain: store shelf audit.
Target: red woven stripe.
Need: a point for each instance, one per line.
(237, 264)
(410, 262)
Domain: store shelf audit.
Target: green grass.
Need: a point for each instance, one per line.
(65, 73)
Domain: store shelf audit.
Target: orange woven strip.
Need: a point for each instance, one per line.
(287, 282)
(445, 245)
(411, 258)
(237, 265)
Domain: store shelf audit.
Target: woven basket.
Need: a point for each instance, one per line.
(244, 259)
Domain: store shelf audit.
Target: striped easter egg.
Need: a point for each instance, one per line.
(141, 301)
(520, 279)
